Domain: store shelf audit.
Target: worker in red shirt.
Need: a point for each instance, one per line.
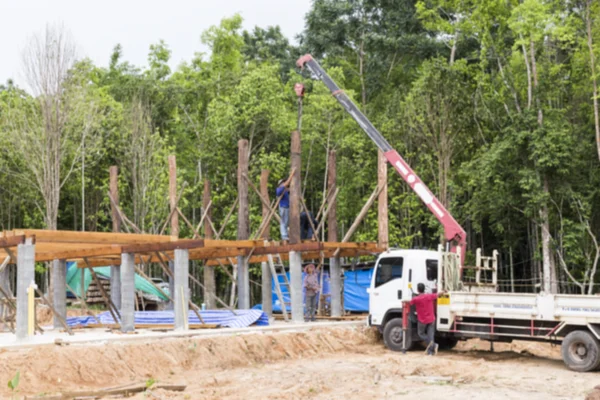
(425, 305)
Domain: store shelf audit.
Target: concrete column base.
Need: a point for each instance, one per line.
(296, 294)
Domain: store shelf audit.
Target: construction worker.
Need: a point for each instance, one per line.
(425, 305)
(311, 288)
(284, 206)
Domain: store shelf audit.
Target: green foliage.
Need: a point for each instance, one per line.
(13, 384)
(501, 132)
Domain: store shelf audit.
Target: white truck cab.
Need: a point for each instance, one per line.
(395, 279)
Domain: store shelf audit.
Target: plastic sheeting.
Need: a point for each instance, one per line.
(356, 283)
(223, 318)
(74, 280)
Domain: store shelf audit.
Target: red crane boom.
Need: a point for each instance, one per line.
(453, 232)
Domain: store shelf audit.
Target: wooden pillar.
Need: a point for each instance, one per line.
(267, 297)
(243, 278)
(209, 272)
(382, 214)
(295, 189)
(335, 277)
(295, 257)
(174, 215)
(332, 234)
(173, 195)
(115, 270)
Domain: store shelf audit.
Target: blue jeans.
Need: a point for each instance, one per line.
(284, 213)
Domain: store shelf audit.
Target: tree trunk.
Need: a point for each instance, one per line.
(546, 255)
(588, 21)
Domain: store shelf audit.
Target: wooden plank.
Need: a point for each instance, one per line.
(92, 237)
(300, 247)
(80, 253)
(237, 244)
(153, 247)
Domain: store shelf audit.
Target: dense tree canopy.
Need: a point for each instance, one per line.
(494, 103)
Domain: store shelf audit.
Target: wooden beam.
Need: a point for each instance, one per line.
(81, 253)
(12, 241)
(92, 237)
(153, 247)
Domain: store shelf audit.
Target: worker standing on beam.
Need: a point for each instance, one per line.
(284, 206)
(425, 305)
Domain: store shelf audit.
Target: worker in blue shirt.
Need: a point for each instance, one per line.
(284, 206)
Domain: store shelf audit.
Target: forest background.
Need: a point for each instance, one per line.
(494, 103)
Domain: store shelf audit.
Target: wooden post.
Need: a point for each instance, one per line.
(335, 277)
(209, 272)
(267, 297)
(115, 270)
(174, 215)
(243, 279)
(382, 214)
(295, 258)
(332, 235)
(295, 189)
(173, 195)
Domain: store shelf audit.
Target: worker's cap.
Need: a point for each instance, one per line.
(279, 182)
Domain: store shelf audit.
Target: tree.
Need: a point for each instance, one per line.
(42, 127)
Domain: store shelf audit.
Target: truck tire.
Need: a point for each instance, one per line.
(392, 335)
(447, 343)
(581, 351)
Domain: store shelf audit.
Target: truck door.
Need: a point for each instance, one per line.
(386, 288)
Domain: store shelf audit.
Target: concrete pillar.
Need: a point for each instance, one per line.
(267, 296)
(210, 283)
(59, 290)
(181, 294)
(115, 285)
(335, 285)
(170, 305)
(127, 292)
(296, 294)
(5, 284)
(25, 277)
(243, 283)
(243, 278)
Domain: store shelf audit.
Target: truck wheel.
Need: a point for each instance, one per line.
(581, 351)
(447, 343)
(392, 335)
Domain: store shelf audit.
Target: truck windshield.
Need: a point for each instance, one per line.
(388, 270)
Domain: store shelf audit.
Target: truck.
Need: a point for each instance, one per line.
(469, 304)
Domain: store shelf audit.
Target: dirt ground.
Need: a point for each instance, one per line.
(332, 363)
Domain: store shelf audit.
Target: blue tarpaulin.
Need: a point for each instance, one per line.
(224, 318)
(356, 297)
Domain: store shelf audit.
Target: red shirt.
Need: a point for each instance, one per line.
(424, 303)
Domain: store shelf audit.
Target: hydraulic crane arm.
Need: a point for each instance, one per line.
(453, 232)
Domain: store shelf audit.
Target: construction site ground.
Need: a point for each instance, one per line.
(324, 360)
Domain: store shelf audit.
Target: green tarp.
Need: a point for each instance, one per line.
(74, 280)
